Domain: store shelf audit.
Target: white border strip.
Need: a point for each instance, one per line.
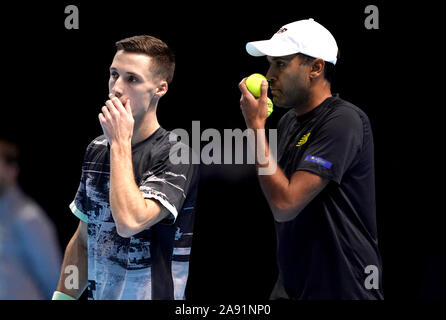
(78, 213)
(147, 193)
(181, 251)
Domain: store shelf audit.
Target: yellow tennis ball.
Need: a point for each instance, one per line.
(270, 107)
(254, 83)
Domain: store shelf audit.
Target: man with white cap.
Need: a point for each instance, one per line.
(322, 194)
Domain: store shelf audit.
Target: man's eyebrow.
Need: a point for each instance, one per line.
(282, 58)
(274, 59)
(127, 72)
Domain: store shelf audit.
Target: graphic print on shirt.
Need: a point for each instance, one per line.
(121, 268)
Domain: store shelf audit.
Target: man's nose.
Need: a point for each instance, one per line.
(270, 76)
(116, 88)
(117, 94)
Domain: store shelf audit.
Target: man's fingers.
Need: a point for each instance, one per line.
(102, 118)
(242, 86)
(128, 107)
(110, 106)
(264, 90)
(118, 104)
(247, 96)
(120, 107)
(106, 112)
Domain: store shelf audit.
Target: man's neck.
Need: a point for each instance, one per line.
(145, 127)
(315, 99)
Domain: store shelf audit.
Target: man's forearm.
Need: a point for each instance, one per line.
(286, 197)
(128, 206)
(274, 184)
(76, 255)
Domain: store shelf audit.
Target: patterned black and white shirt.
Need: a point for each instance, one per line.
(153, 264)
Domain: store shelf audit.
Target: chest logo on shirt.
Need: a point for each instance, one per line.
(303, 140)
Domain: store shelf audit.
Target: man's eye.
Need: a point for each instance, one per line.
(278, 64)
(132, 79)
(114, 75)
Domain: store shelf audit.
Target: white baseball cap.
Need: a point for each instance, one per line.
(304, 36)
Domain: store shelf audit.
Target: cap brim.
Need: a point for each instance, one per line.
(272, 47)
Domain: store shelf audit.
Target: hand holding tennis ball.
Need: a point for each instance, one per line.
(254, 84)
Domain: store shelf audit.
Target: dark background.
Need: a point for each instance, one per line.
(55, 82)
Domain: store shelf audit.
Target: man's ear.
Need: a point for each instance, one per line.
(317, 68)
(161, 89)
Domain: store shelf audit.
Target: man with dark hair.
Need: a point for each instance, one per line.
(163, 65)
(136, 207)
(29, 250)
(329, 68)
(322, 194)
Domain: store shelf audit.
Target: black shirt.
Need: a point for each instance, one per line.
(154, 263)
(323, 253)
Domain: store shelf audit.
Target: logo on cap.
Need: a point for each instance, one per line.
(281, 30)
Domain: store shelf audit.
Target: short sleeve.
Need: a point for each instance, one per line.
(79, 205)
(333, 149)
(168, 183)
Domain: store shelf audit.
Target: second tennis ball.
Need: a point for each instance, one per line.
(270, 107)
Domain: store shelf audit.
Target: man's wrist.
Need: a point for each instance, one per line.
(255, 125)
(121, 146)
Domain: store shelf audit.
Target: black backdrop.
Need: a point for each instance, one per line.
(55, 81)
